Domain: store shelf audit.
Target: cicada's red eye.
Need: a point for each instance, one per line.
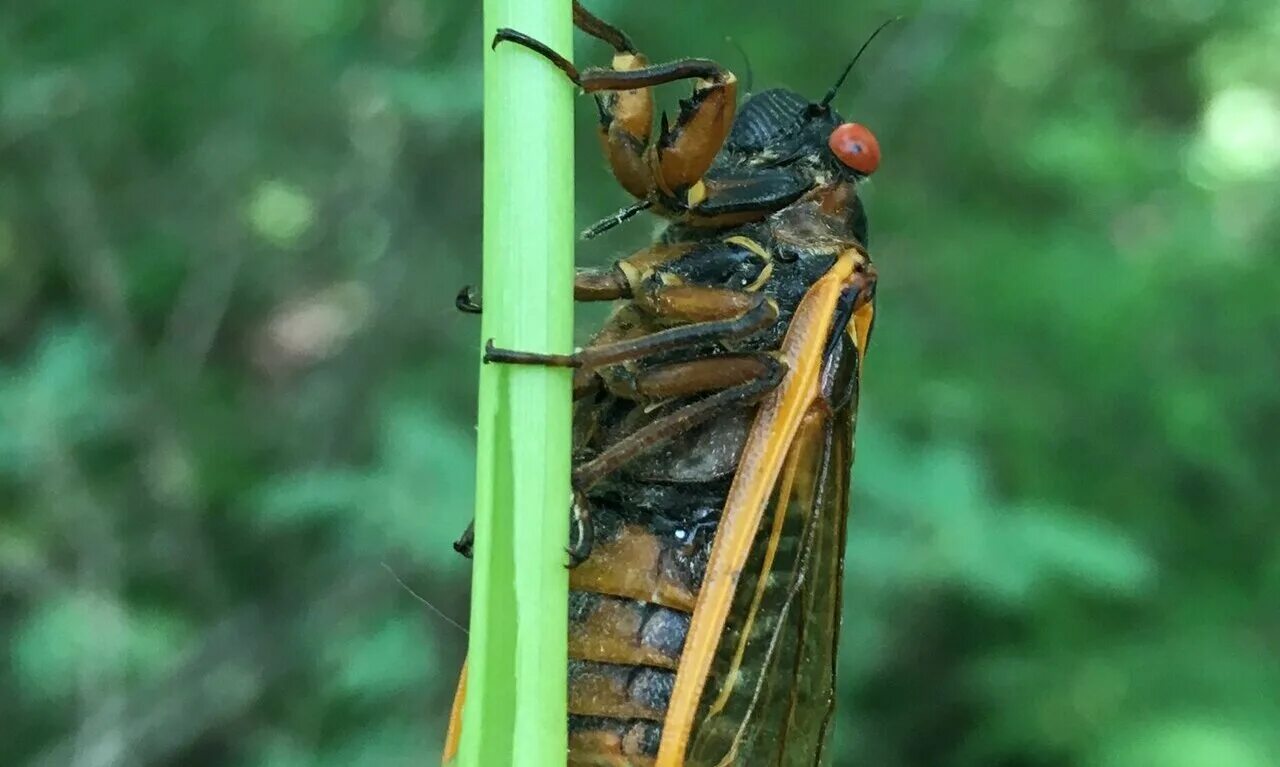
(856, 146)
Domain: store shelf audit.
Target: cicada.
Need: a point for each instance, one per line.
(713, 422)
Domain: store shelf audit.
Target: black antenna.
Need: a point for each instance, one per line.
(746, 61)
(831, 94)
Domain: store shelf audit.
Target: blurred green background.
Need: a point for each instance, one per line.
(235, 397)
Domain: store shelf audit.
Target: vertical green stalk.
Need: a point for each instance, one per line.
(515, 707)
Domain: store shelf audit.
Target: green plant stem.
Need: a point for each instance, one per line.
(515, 708)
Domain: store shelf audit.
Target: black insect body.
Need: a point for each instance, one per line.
(714, 418)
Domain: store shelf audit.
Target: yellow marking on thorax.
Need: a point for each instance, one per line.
(758, 249)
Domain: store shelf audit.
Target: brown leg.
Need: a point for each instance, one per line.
(600, 30)
(608, 284)
(465, 545)
(685, 379)
(739, 379)
(673, 165)
(581, 534)
(466, 302)
(588, 285)
(748, 313)
(736, 380)
(626, 117)
(756, 374)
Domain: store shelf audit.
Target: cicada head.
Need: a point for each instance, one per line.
(784, 146)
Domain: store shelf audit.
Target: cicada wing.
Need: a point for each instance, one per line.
(454, 734)
(770, 693)
(812, 689)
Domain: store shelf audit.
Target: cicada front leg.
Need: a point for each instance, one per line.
(667, 171)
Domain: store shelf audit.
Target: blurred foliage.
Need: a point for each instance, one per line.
(234, 393)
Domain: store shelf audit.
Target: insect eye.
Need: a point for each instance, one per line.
(856, 147)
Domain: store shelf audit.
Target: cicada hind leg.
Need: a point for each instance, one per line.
(667, 171)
